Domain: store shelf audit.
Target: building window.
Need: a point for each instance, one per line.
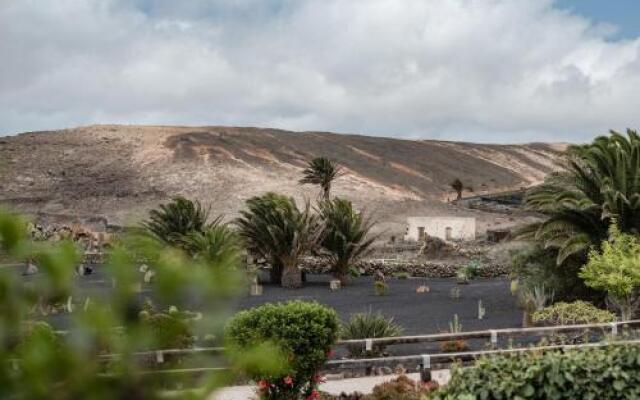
(448, 233)
(420, 232)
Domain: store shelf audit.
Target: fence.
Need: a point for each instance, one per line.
(423, 362)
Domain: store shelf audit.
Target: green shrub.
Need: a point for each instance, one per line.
(578, 312)
(304, 331)
(380, 288)
(402, 275)
(365, 326)
(611, 372)
(168, 331)
(37, 331)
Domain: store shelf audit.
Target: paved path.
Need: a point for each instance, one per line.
(362, 385)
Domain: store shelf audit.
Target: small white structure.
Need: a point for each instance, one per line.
(445, 228)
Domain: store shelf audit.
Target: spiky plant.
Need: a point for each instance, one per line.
(368, 325)
(321, 171)
(218, 245)
(600, 184)
(458, 187)
(170, 222)
(273, 227)
(346, 235)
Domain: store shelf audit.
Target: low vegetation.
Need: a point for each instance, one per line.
(611, 372)
(578, 312)
(368, 325)
(303, 331)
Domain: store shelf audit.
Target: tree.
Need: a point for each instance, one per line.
(616, 270)
(321, 171)
(218, 242)
(170, 222)
(273, 227)
(600, 183)
(458, 187)
(346, 235)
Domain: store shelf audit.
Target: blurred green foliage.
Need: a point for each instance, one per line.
(36, 363)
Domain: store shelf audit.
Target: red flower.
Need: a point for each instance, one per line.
(263, 385)
(317, 378)
(288, 381)
(314, 395)
(330, 353)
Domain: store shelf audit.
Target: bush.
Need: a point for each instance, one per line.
(380, 288)
(536, 266)
(611, 372)
(304, 331)
(401, 388)
(578, 312)
(365, 326)
(168, 331)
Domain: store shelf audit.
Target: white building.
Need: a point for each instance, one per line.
(445, 228)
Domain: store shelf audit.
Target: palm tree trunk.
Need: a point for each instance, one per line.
(275, 274)
(291, 276)
(340, 272)
(326, 191)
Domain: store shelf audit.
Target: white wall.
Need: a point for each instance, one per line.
(462, 228)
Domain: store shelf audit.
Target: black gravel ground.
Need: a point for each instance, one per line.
(418, 313)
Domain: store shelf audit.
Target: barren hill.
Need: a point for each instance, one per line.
(121, 171)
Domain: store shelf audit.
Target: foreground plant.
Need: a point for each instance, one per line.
(611, 372)
(36, 363)
(346, 236)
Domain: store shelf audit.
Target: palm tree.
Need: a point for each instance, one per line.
(170, 222)
(217, 245)
(273, 227)
(321, 171)
(458, 187)
(600, 184)
(345, 237)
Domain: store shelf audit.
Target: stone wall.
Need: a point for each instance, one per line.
(416, 268)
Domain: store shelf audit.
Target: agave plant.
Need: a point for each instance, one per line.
(600, 184)
(346, 235)
(170, 222)
(321, 171)
(273, 227)
(368, 325)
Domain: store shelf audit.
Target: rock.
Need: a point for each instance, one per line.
(378, 276)
(32, 268)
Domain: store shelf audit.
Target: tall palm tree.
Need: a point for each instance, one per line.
(321, 171)
(273, 227)
(600, 184)
(170, 222)
(346, 235)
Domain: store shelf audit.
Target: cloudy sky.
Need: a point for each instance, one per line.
(478, 70)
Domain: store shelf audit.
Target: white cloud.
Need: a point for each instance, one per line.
(453, 69)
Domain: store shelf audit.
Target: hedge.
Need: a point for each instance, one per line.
(611, 372)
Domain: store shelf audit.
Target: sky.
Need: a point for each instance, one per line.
(502, 71)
